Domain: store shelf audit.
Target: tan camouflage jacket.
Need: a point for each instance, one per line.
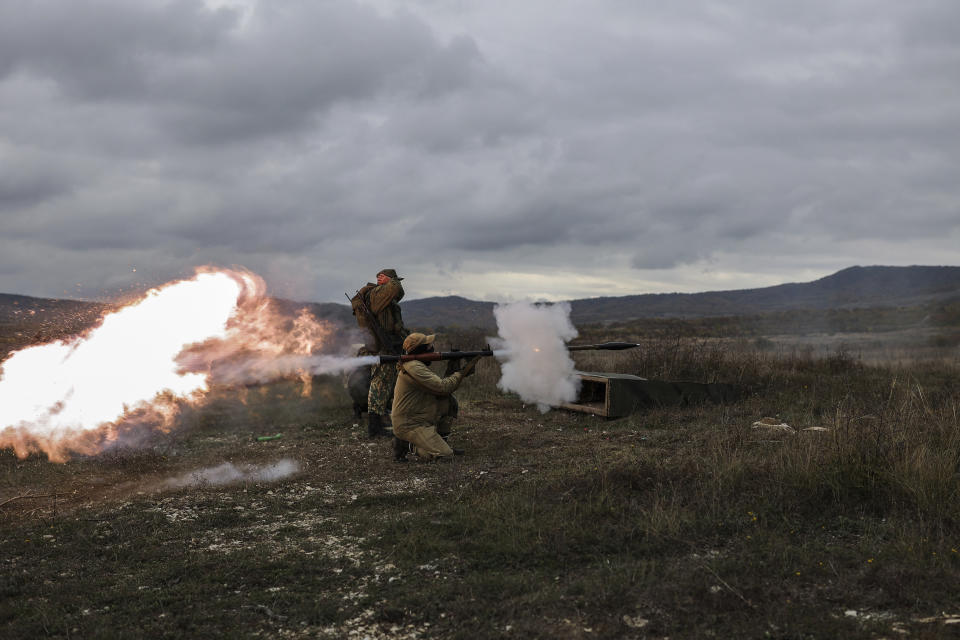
(382, 300)
(419, 394)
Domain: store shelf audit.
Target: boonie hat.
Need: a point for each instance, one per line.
(390, 273)
(415, 340)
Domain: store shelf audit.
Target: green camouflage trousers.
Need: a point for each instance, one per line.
(383, 377)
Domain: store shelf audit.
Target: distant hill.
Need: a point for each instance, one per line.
(24, 319)
(338, 314)
(448, 311)
(855, 287)
(14, 308)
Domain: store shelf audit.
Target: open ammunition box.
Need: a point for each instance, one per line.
(614, 395)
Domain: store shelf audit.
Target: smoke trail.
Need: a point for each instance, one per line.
(261, 369)
(535, 362)
(227, 473)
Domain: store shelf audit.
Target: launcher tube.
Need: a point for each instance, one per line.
(453, 355)
(436, 355)
(606, 346)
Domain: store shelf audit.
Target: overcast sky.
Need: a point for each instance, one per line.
(498, 150)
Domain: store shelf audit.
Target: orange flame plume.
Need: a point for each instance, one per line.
(135, 368)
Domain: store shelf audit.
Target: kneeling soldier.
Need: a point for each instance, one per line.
(423, 407)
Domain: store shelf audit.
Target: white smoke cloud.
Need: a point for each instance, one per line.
(534, 358)
(228, 473)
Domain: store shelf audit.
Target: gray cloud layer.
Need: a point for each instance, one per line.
(494, 150)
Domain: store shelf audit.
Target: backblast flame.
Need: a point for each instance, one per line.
(82, 394)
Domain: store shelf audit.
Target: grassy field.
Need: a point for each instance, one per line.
(678, 522)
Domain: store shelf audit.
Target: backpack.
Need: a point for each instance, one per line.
(358, 302)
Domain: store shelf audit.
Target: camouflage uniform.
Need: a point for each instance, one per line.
(382, 301)
(383, 378)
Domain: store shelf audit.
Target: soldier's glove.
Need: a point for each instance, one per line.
(453, 365)
(471, 366)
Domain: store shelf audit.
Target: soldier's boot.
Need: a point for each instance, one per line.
(400, 449)
(375, 427)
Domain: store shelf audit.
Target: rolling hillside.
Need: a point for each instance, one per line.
(922, 288)
(852, 288)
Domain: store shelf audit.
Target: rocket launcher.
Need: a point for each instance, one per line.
(456, 355)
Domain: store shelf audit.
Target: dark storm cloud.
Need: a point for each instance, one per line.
(474, 144)
(255, 229)
(101, 49)
(214, 85)
(22, 185)
(303, 62)
(932, 25)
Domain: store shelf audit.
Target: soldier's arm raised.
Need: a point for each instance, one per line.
(382, 295)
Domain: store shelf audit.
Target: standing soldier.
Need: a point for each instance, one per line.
(377, 310)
